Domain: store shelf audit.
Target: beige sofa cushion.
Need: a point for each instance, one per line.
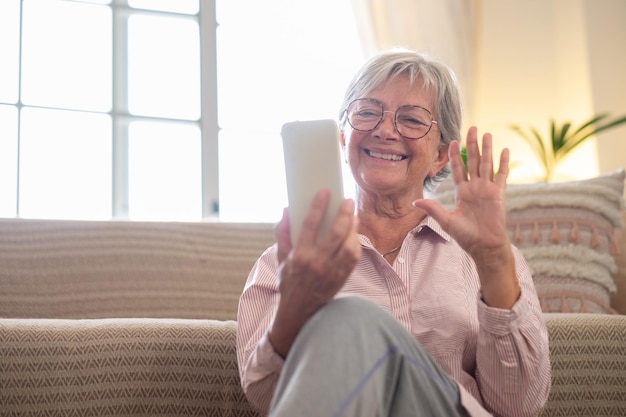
(588, 359)
(165, 367)
(120, 367)
(82, 269)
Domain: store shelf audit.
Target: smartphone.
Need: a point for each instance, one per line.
(312, 162)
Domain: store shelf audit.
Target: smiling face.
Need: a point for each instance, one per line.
(383, 162)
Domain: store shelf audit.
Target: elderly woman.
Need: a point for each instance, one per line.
(402, 308)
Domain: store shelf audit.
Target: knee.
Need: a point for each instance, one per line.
(351, 307)
(348, 316)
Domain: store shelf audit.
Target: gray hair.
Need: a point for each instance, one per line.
(433, 73)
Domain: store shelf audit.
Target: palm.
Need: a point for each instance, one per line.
(478, 221)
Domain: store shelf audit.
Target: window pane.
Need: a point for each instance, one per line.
(290, 69)
(65, 164)
(164, 171)
(8, 161)
(67, 55)
(164, 67)
(9, 50)
(251, 169)
(176, 6)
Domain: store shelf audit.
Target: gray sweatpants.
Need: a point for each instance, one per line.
(354, 359)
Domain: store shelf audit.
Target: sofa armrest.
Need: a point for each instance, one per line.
(588, 356)
(120, 367)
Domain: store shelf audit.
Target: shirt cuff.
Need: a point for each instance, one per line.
(500, 322)
(263, 362)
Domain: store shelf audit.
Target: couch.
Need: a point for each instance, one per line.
(121, 318)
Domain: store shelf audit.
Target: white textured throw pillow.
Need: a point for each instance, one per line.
(567, 234)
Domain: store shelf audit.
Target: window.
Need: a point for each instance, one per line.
(111, 108)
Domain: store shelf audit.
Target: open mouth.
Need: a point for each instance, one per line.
(385, 156)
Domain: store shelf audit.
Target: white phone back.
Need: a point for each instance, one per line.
(312, 162)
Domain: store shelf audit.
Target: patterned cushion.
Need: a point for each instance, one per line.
(120, 367)
(618, 300)
(588, 359)
(567, 234)
(166, 367)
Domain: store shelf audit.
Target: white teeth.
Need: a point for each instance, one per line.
(388, 157)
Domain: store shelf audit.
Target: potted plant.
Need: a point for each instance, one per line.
(562, 139)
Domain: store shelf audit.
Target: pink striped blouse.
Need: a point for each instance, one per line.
(499, 358)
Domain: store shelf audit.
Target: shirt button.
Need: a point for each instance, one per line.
(401, 260)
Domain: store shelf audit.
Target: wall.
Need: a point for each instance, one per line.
(542, 59)
(606, 21)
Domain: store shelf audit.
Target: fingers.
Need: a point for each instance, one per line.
(327, 245)
(459, 172)
(281, 234)
(480, 164)
(350, 248)
(313, 219)
(435, 210)
(343, 229)
(320, 266)
(503, 168)
(313, 270)
(485, 167)
(346, 257)
(473, 152)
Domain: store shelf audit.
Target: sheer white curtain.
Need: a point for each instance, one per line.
(444, 28)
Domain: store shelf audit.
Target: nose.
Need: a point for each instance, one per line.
(387, 126)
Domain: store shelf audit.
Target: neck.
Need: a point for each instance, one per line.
(386, 233)
(389, 205)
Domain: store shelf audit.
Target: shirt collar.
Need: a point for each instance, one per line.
(428, 223)
(433, 225)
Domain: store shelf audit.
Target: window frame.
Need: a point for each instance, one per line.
(121, 117)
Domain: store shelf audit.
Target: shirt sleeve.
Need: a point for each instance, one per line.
(512, 356)
(259, 365)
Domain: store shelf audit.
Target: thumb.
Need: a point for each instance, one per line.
(433, 209)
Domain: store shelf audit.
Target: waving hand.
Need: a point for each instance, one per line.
(478, 221)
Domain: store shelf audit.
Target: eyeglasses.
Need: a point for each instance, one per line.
(412, 122)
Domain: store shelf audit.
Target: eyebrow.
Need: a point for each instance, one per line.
(402, 105)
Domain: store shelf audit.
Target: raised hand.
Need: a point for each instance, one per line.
(478, 221)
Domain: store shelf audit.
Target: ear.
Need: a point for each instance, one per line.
(342, 142)
(440, 161)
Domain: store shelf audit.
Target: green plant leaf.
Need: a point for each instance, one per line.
(546, 155)
(590, 123)
(464, 156)
(591, 128)
(537, 145)
(562, 139)
(534, 141)
(553, 135)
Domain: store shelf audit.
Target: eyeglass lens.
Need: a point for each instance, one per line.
(412, 122)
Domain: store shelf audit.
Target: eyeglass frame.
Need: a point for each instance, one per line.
(395, 115)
